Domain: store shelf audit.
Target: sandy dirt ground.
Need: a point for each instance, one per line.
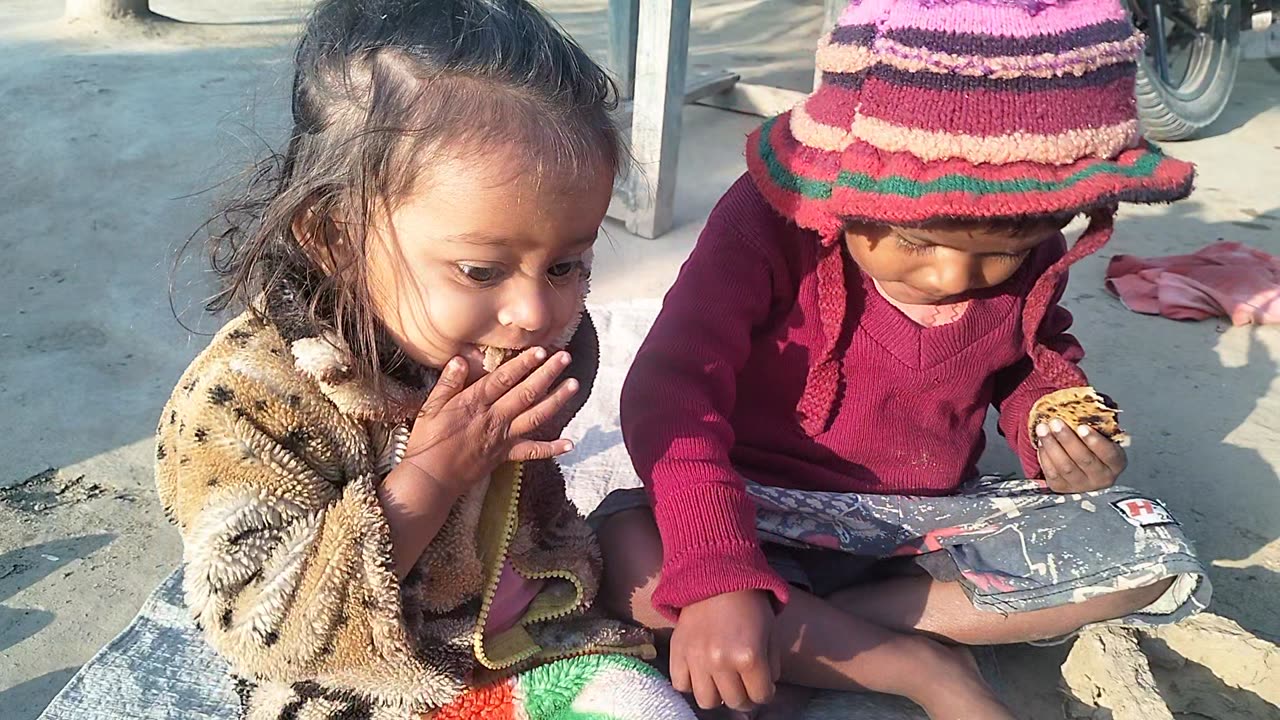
(109, 136)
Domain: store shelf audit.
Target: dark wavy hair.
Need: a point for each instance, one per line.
(380, 88)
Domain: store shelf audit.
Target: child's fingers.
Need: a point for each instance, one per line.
(679, 670)
(1073, 466)
(1059, 471)
(759, 681)
(1111, 454)
(498, 383)
(546, 409)
(1081, 454)
(452, 380)
(527, 450)
(532, 389)
(705, 691)
(732, 692)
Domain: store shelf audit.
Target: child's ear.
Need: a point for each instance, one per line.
(320, 238)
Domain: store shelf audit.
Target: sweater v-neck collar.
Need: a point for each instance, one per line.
(922, 348)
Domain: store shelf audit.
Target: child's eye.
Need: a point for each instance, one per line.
(914, 248)
(1013, 257)
(564, 269)
(478, 274)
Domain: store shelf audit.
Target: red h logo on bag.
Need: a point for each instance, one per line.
(1138, 508)
(1142, 512)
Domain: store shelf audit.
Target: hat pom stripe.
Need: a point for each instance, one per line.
(833, 57)
(998, 20)
(1061, 149)
(987, 110)
(961, 43)
(1077, 61)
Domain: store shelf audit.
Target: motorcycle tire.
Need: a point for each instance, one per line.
(1175, 111)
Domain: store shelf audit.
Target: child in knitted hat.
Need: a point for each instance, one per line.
(807, 412)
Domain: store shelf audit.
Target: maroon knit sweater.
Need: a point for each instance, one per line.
(712, 395)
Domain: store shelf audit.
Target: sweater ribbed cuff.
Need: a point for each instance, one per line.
(1015, 415)
(710, 548)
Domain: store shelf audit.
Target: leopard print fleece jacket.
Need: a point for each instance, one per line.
(268, 456)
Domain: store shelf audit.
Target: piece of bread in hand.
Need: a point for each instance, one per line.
(1080, 406)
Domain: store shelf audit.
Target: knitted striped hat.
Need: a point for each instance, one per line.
(967, 110)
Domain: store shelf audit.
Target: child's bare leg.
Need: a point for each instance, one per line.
(830, 649)
(824, 647)
(941, 609)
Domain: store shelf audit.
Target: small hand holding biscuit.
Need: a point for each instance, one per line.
(1078, 459)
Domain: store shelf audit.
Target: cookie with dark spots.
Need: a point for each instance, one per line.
(1081, 406)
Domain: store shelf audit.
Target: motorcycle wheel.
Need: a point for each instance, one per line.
(1184, 86)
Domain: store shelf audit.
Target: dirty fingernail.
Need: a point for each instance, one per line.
(1083, 431)
(1042, 430)
(1057, 425)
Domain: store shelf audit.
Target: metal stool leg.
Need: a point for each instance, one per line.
(661, 60)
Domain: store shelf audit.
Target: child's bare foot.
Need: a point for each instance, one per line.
(956, 690)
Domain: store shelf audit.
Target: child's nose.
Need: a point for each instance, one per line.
(958, 276)
(527, 308)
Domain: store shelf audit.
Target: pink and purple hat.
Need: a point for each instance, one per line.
(973, 109)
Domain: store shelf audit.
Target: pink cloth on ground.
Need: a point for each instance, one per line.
(927, 315)
(510, 600)
(1225, 279)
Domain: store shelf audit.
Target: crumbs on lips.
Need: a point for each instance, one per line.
(494, 357)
